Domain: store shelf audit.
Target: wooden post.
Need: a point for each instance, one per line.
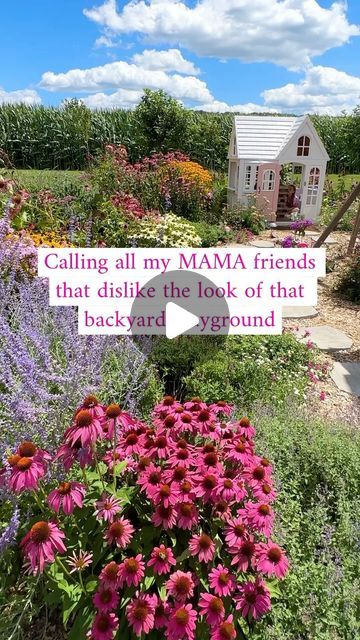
(336, 219)
(355, 232)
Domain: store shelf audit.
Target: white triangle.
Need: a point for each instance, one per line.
(178, 320)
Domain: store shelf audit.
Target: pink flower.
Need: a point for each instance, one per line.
(150, 479)
(105, 600)
(132, 443)
(212, 608)
(131, 571)
(271, 560)
(254, 600)
(160, 615)
(187, 515)
(41, 543)
(69, 455)
(239, 450)
(202, 546)
(92, 404)
(164, 517)
(162, 558)
(181, 623)
(256, 473)
(85, 429)
(264, 492)
(206, 487)
(107, 508)
(165, 494)
(104, 626)
(222, 581)
(67, 496)
(225, 631)
(120, 532)
(25, 474)
(244, 428)
(259, 516)
(235, 533)
(322, 395)
(221, 407)
(244, 554)
(141, 614)
(79, 562)
(110, 576)
(180, 586)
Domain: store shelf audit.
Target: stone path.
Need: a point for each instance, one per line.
(346, 376)
(327, 338)
(299, 312)
(262, 244)
(329, 240)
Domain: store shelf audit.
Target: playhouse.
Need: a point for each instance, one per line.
(261, 149)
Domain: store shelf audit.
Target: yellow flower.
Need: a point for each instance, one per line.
(193, 173)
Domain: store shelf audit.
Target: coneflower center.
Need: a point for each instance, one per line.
(264, 509)
(205, 542)
(182, 585)
(131, 565)
(84, 418)
(182, 616)
(216, 605)
(40, 532)
(274, 554)
(140, 611)
(113, 411)
(27, 449)
(64, 488)
(226, 631)
(24, 463)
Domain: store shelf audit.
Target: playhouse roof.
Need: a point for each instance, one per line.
(264, 137)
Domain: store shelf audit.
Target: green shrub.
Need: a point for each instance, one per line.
(252, 368)
(241, 217)
(211, 234)
(317, 469)
(348, 285)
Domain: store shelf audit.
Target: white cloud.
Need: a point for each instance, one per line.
(221, 107)
(121, 99)
(104, 41)
(25, 96)
(323, 90)
(122, 75)
(169, 60)
(286, 32)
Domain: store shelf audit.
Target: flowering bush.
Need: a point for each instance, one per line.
(165, 231)
(160, 528)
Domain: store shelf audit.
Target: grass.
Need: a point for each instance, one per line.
(349, 179)
(36, 179)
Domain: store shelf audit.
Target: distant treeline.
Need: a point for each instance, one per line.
(38, 137)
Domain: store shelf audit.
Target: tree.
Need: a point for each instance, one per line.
(162, 122)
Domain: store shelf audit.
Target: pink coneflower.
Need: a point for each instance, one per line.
(202, 546)
(205, 420)
(182, 456)
(239, 450)
(195, 405)
(256, 474)
(131, 571)
(27, 449)
(86, 429)
(120, 532)
(271, 560)
(264, 492)
(161, 447)
(253, 600)
(222, 581)
(160, 615)
(244, 554)
(116, 419)
(109, 576)
(181, 623)
(212, 608)
(103, 627)
(180, 586)
(244, 428)
(141, 614)
(41, 543)
(259, 516)
(225, 631)
(107, 508)
(105, 600)
(206, 487)
(221, 407)
(78, 562)
(188, 515)
(186, 491)
(112, 458)
(210, 459)
(132, 443)
(167, 404)
(230, 490)
(150, 479)
(221, 509)
(162, 559)
(177, 475)
(69, 455)
(164, 517)
(92, 404)
(235, 533)
(165, 494)
(25, 474)
(67, 496)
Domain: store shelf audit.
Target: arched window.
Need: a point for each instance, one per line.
(268, 180)
(313, 186)
(303, 146)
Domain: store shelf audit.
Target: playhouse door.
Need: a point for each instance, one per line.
(268, 182)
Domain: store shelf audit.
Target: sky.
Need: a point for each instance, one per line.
(287, 56)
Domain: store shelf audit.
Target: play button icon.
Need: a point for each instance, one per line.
(178, 320)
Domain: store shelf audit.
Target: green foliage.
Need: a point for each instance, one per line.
(317, 468)
(252, 368)
(245, 217)
(161, 122)
(211, 234)
(348, 285)
(48, 137)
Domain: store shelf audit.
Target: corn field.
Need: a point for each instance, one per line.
(38, 137)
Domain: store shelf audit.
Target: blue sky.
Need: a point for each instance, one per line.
(247, 55)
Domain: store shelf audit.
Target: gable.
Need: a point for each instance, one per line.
(316, 150)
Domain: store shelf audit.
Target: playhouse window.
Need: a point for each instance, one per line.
(303, 146)
(268, 180)
(247, 182)
(313, 186)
